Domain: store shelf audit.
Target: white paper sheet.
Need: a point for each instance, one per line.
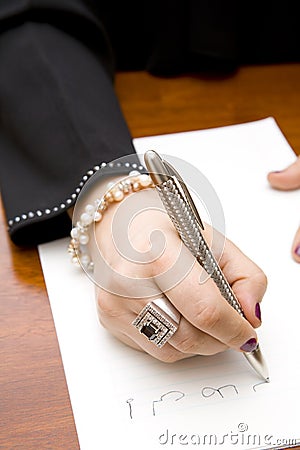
(125, 399)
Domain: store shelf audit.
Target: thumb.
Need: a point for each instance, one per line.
(296, 247)
(286, 179)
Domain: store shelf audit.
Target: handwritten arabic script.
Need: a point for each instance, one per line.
(176, 396)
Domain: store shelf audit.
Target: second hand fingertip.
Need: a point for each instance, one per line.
(296, 253)
(274, 174)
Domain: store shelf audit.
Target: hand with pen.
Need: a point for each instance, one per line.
(286, 180)
(205, 323)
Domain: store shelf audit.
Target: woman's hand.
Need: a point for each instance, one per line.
(286, 180)
(155, 262)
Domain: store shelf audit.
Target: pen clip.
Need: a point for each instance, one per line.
(173, 173)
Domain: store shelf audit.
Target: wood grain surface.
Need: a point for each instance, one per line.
(35, 406)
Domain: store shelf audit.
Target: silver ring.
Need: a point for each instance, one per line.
(158, 321)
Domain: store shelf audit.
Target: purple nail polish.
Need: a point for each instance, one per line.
(258, 311)
(276, 171)
(249, 346)
(297, 250)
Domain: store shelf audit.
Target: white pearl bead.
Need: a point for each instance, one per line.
(118, 195)
(83, 239)
(110, 185)
(144, 180)
(85, 260)
(86, 219)
(75, 260)
(96, 203)
(108, 197)
(134, 173)
(74, 233)
(89, 209)
(97, 216)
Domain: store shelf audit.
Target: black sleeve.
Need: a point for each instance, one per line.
(59, 116)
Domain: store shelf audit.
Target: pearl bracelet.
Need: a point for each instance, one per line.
(78, 247)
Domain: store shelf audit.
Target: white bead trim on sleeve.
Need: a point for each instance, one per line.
(28, 215)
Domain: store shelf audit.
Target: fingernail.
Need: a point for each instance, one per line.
(249, 346)
(258, 311)
(276, 171)
(297, 250)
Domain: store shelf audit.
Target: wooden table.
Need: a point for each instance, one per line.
(36, 411)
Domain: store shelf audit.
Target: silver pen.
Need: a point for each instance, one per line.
(182, 211)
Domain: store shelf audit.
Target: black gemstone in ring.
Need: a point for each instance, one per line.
(149, 331)
(155, 324)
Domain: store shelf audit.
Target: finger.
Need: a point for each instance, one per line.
(125, 340)
(123, 329)
(116, 315)
(189, 339)
(203, 306)
(248, 281)
(296, 247)
(287, 179)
